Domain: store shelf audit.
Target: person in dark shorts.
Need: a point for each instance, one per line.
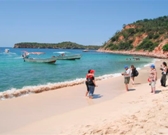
(87, 82)
(134, 73)
(91, 83)
(164, 73)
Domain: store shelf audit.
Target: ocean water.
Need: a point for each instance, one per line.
(17, 74)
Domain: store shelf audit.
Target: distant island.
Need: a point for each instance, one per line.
(62, 45)
(147, 37)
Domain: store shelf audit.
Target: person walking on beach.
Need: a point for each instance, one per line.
(134, 73)
(126, 75)
(164, 73)
(152, 78)
(86, 82)
(91, 83)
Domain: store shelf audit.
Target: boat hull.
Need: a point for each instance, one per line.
(47, 60)
(73, 57)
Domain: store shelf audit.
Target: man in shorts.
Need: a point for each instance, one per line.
(127, 75)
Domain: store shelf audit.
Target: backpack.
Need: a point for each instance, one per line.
(89, 80)
(136, 73)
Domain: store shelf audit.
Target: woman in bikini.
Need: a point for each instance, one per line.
(152, 78)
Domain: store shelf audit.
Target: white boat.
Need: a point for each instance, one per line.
(67, 56)
(86, 50)
(6, 50)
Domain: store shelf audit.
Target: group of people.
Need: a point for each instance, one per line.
(91, 84)
(130, 74)
(153, 76)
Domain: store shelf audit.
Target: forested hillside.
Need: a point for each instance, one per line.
(62, 45)
(142, 35)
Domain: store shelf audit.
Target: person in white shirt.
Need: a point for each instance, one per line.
(127, 75)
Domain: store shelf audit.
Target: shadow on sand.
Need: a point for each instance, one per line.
(95, 96)
(137, 83)
(157, 91)
(131, 89)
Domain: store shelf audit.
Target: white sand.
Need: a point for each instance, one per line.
(68, 112)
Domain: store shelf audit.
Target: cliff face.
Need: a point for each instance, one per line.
(147, 36)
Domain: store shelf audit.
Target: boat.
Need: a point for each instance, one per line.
(67, 56)
(86, 50)
(6, 50)
(26, 58)
(44, 60)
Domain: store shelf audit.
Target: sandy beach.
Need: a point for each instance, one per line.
(67, 111)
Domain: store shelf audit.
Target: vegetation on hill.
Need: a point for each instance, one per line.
(141, 35)
(165, 47)
(62, 45)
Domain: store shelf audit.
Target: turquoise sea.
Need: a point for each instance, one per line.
(17, 74)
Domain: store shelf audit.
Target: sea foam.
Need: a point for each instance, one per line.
(26, 90)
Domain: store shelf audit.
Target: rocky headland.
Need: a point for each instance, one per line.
(148, 37)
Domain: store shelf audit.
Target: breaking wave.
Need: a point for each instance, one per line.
(26, 90)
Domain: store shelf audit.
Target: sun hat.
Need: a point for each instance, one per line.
(125, 66)
(152, 66)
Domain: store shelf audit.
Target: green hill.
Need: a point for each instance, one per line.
(62, 45)
(144, 35)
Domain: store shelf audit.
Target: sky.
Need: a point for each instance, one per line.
(86, 22)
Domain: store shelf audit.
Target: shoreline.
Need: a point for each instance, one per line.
(57, 107)
(26, 90)
(15, 92)
(132, 112)
(138, 53)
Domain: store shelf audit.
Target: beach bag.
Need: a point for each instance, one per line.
(136, 73)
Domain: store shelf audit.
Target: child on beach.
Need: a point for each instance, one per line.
(127, 75)
(152, 78)
(91, 83)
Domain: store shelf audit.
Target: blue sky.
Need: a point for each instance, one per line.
(87, 22)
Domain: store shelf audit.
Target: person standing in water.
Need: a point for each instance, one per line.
(153, 78)
(126, 75)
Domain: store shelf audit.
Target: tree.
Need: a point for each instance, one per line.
(165, 47)
(124, 25)
(124, 46)
(147, 45)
